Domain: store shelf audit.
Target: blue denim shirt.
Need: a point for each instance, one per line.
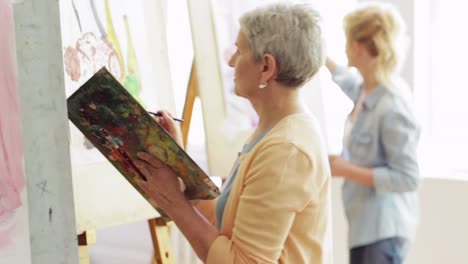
(384, 138)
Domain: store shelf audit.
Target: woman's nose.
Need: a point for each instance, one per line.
(231, 61)
(229, 55)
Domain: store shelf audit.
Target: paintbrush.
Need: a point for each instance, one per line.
(160, 115)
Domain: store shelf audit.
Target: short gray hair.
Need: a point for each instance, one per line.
(289, 32)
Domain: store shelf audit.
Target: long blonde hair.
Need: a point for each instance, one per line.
(381, 29)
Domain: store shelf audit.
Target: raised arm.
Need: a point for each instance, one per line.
(330, 64)
(348, 81)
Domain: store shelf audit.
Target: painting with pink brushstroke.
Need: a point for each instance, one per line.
(104, 33)
(14, 235)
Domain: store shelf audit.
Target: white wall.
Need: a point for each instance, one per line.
(443, 232)
(45, 133)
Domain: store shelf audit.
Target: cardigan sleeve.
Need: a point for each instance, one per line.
(275, 187)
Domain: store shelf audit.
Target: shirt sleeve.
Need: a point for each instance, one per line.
(276, 187)
(400, 136)
(348, 81)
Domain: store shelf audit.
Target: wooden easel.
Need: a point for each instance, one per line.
(159, 228)
(160, 235)
(84, 240)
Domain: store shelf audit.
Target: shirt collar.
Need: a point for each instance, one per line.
(372, 99)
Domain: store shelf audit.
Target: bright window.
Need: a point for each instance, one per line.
(441, 90)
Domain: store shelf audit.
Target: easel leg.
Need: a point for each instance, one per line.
(83, 253)
(161, 242)
(84, 240)
(159, 227)
(189, 103)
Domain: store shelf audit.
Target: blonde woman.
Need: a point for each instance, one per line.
(274, 206)
(379, 163)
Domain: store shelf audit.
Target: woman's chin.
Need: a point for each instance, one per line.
(240, 93)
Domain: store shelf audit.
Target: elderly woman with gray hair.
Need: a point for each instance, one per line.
(274, 208)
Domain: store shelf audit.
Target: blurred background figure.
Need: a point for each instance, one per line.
(379, 161)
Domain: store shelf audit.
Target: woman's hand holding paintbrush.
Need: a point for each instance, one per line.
(160, 114)
(165, 120)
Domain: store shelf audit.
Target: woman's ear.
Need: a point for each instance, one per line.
(269, 68)
(355, 47)
(362, 51)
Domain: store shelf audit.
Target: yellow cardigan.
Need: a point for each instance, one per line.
(278, 210)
